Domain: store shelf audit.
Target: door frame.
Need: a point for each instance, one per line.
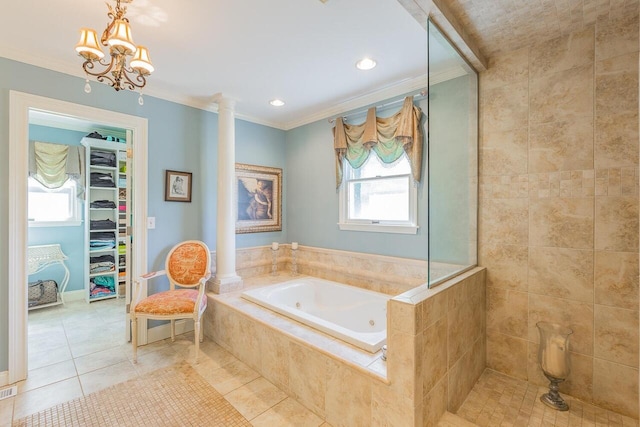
(19, 106)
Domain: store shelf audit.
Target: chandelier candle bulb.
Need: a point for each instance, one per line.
(275, 246)
(294, 245)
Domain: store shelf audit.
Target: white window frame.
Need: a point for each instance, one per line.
(376, 226)
(74, 221)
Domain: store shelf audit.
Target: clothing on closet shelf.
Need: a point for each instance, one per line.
(99, 179)
(102, 224)
(100, 264)
(102, 286)
(102, 158)
(104, 240)
(104, 204)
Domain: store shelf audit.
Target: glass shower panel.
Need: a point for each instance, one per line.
(453, 161)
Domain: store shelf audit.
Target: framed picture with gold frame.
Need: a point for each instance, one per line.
(177, 186)
(258, 198)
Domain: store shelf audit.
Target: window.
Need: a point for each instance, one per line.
(378, 197)
(58, 207)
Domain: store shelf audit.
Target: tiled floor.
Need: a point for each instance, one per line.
(80, 348)
(499, 400)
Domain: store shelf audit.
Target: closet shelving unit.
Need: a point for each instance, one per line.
(106, 283)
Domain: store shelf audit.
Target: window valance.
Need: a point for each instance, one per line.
(388, 137)
(52, 164)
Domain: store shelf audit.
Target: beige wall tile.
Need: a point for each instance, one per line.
(434, 309)
(506, 265)
(308, 377)
(617, 223)
(616, 279)
(615, 37)
(561, 146)
(505, 107)
(562, 53)
(562, 222)
(507, 354)
(465, 325)
(562, 273)
(615, 387)
(507, 312)
(572, 314)
(404, 317)
(504, 152)
(387, 409)
(246, 339)
(403, 353)
(504, 221)
(348, 399)
(616, 140)
(464, 374)
(274, 352)
(563, 96)
(434, 355)
(580, 381)
(434, 405)
(616, 335)
(506, 69)
(617, 85)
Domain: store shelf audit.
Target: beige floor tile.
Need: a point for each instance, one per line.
(47, 375)
(287, 413)
(6, 411)
(229, 377)
(105, 377)
(45, 397)
(48, 356)
(255, 397)
(156, 360)
(92, 345)
(99, 360)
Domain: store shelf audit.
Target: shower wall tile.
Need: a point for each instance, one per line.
(575, 315)
(387, 409)
(506, 69)
(617, 223)
(506, 354)
(566, 184)
(504, 152)
(406, 318)
(561, 146)
(434, 309)
(561, 273)
(504, 221)
(507, 312)
(562, 53)
(465, 325)
(616, 335)
(504, 186)
(505, 107)
(506, 266)
(348, 398)
(616, 137)
(617, 181)
(562, 96)
(562, 222)
(580, 381)
(615, 387)
(404, 359)
(617, 85)
(434, 404)
(435, 351)
(616, 279)
(464, 374)
(618, 36)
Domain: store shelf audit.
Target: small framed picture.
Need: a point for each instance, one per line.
(258, 198)
(177, 186)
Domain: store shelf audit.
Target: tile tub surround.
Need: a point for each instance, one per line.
(436, 353)
(389, 275)
(558, 217)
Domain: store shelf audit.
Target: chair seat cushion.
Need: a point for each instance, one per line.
(178, 301)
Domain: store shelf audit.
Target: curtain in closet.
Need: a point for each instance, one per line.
(388, 137)
(53, 164)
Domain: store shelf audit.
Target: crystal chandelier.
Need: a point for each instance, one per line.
(117, 36)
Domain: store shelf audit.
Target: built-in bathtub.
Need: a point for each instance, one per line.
(357, 316)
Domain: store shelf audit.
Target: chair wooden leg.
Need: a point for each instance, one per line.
(134, 338)
(173, 330)
(196, 339)
(201, 329)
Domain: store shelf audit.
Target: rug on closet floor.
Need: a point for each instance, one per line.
(173, 396)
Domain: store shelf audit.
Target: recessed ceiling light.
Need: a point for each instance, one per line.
(276, 102)
(365, 64)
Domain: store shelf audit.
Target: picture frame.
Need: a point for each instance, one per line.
(258, 198)
(177, 186)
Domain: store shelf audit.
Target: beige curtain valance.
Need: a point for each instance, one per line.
(389, 137)
(53, 164)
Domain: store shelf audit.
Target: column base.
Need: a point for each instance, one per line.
(226, 284)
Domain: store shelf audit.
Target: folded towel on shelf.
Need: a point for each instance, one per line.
(105, 204)
(102, 224)
(99, 179)
(102, 158)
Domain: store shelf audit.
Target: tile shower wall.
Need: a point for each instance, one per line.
(559, 207)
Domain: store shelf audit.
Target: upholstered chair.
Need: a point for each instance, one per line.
(188, 267)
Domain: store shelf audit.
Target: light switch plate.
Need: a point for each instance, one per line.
(151, 222)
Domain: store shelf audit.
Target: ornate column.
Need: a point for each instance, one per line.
(226, 278)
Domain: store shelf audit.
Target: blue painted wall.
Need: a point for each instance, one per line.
(71, 239)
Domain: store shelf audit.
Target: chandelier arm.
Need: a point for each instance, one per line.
(89, 65)
(140, 79)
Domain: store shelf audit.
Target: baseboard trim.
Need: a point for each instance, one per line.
(162, 332)
(4, 378)
(74, 295)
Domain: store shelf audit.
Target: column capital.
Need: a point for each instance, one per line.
(224, 102)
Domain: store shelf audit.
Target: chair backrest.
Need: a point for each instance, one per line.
(187, 263)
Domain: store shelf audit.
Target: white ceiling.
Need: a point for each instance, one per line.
(302, 51)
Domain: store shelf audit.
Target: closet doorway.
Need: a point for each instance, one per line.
(28, 109)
